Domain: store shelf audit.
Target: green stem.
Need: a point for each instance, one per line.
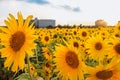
(15, 74)
(29, 67)
(36, 56)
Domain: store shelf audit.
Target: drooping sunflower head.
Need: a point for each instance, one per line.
(68, 62)
(47, 53)
(18, 39)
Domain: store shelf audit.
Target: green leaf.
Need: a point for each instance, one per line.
(39, 78)
(24, 76)
(39, 71)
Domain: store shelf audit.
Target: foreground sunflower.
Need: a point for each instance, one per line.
(18, 40)
(68, 63)
(109, 72)
(115, 47)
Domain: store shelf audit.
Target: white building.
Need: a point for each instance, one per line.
(44, 22)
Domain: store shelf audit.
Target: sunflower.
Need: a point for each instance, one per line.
(74, 33)
(47, 53)
(84, 34)
(40, 34)
(45, 39)
(97, 47)
(57, 30)
(68, 38)
(108, 72)
(75, 43)
(48, 66)
(18, 40)
(104, 33)
(116, 34)
(46, 75)
(55, 37)
(32, 70)
(91, 30)
(117, 27)
(68, 63)
(115, 47)
(1, 29)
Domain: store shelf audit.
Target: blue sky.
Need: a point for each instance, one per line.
(70, 12)
(41, 2)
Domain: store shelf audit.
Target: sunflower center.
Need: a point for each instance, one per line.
(117, 48)
(103, 34)
(75, 32)
(55, 36)
(47, 64)
(119, 28)
(116, 35)
(84, 34)
(17, 41)
(72, 59)
(46, 38)
(65, 33)
(104, 74)
(98, 46)
(48, 53)
(76, 44)
(32, 69)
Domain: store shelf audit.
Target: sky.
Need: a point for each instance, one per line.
(70, 12)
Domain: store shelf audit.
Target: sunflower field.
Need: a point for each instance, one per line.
(29, 53)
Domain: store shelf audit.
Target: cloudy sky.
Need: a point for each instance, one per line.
(70, 12)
